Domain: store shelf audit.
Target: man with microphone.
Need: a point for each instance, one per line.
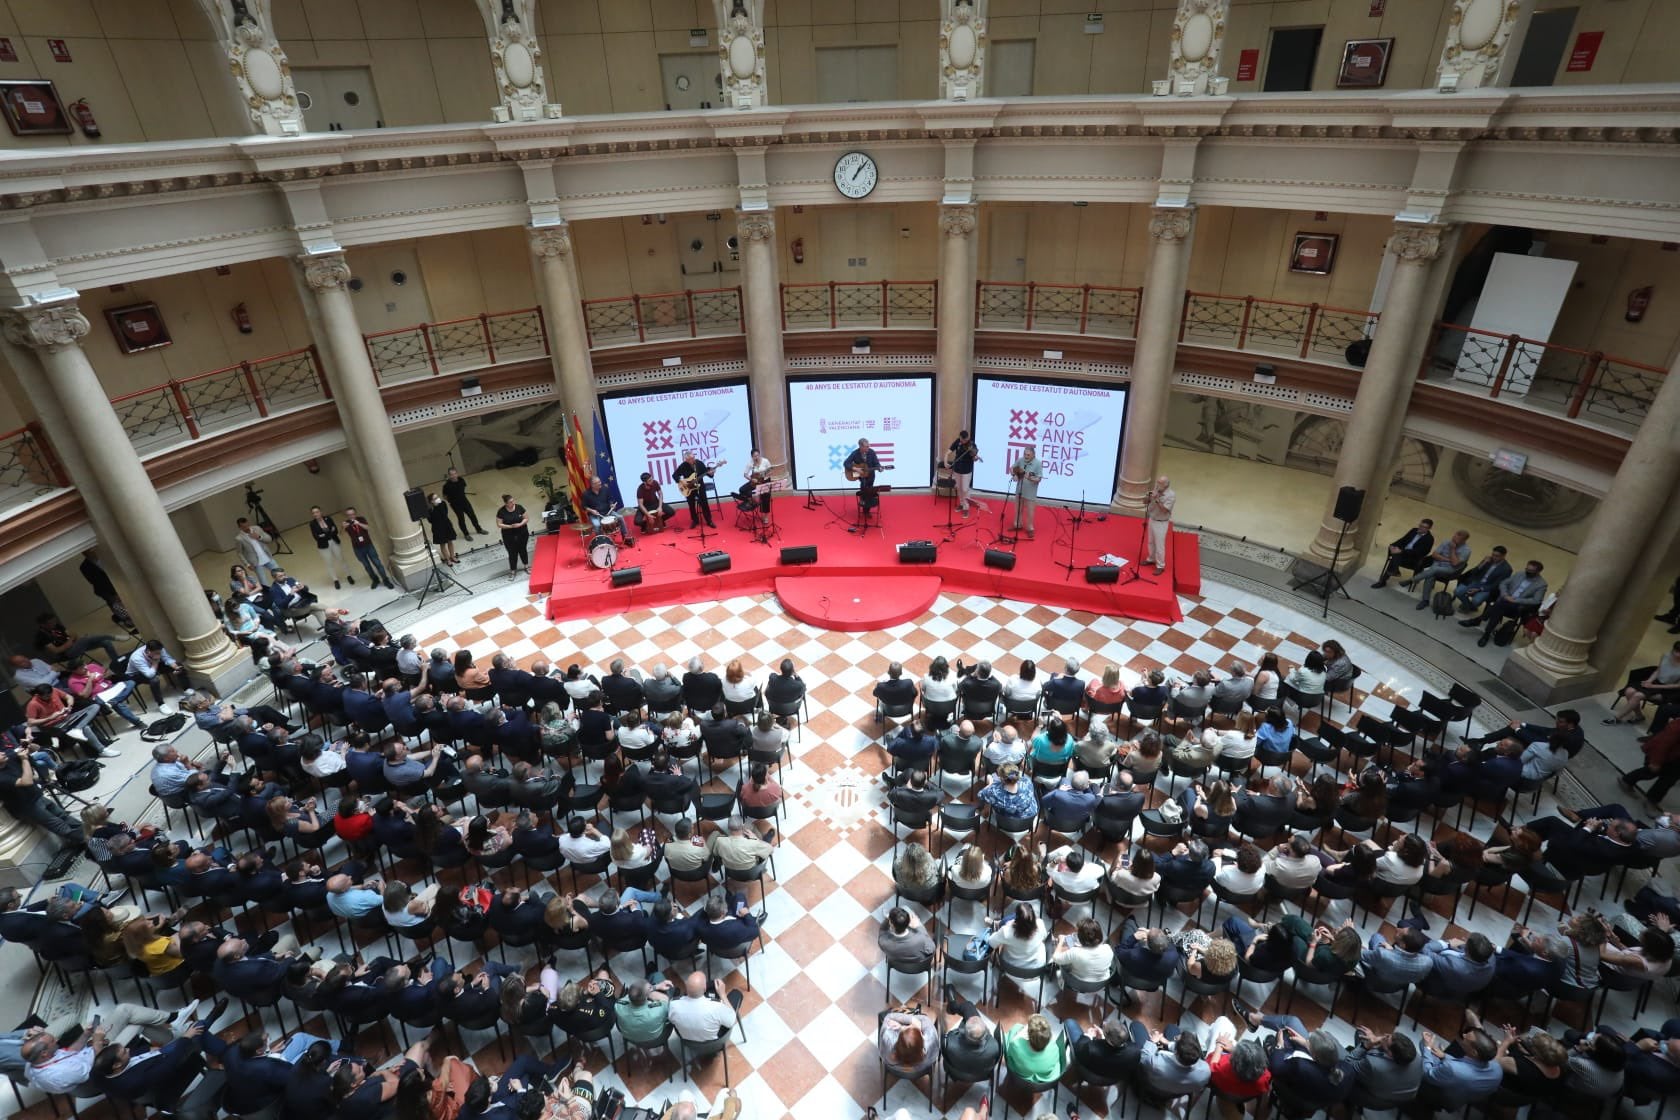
(1158, 510)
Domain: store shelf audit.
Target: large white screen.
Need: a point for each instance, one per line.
(829, 416)
(1074, 429)
(650, 431)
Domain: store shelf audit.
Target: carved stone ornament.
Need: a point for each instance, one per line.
(53, 326)
(258, 64)
(1416, 242)
(1478, 32)
(1198, 34)
(962, 49)
(551, 241)
(1172, 223)
(325, 272)
(516, 56)
(959, 221)
(755, 225)
(741, 52)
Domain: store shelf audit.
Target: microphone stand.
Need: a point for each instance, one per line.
(1073, 535)
(1003, 536)
(1137, 569)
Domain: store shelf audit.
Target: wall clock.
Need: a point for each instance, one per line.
(855, 175)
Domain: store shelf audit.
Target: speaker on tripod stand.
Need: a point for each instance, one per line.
(1325, 582)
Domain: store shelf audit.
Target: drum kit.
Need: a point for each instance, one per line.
(602, 549)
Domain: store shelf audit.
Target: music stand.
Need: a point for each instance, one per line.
(764, 524)
(861, 525)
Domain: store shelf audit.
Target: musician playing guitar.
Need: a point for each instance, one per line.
(862, 465)
(757, 473)
(690, 477)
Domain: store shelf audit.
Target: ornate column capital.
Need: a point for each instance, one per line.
(50, 326)
(1172, 223)
(551, 241)
(1413, 241)
(755, 225)
(324, 271)
(959, 221)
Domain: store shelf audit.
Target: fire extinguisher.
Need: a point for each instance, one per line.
(241, 318)
(798, 250)
(84, 117)
(1638, 302)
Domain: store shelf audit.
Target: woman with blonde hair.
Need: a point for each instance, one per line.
(145, 942)
(1108, 689)
(561, 916)
(971, 870)
(629, 853)
(1215, 963)
(1034, 1052)
(915, 868)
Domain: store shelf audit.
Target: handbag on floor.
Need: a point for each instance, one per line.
(1442, 604)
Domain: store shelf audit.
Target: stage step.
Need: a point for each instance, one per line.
(849, 603)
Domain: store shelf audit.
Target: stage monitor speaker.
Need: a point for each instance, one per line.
(800, 554)
(714, 562)
(1102, 573)
(416, 499)
(917, 552)
(625, 577)
(1350, 500)
(998, 558)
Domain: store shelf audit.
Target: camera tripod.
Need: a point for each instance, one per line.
(253, 502)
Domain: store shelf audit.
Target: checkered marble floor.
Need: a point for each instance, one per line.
(817, 986)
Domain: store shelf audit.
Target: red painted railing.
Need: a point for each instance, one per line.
(430, 349)
(29, 467)
(846, 304)
(1062, 308)
(181, 410)
(1305, 330)
(1543, 375)
(626, 320)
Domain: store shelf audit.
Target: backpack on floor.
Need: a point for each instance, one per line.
(1505, 632)
(81, 774)
(161, 729)
(1442, 604)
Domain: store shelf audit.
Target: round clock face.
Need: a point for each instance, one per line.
(855, 175)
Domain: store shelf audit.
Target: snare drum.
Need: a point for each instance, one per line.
(603, 553)
(610, 525)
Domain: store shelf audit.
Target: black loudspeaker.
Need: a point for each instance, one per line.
(1349, 501)
(416, 499)
(800, 554)
(917, 552)
(625, 577)
(1102, 573)
(998, 558)
(714, 562)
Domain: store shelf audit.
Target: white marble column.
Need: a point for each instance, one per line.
(1370, 437)
(1156, 351)
(262, 77)
(954, 361)
(1611, 547)
(568, 338)
(761, 291)
(54, 331)
(367, 425)
(516, 57)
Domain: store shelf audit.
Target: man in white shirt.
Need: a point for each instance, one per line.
(64, 1069)
(706, 1011)
(1158, 511)
(583, 843)
(1293, 864)
(1073, 870)
(1006, 745)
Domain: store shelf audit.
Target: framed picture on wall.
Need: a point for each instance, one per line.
(1364, 63)
(32, 108)
(1314, 253)
(138, 327)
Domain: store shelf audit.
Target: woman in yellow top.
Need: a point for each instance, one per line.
(146, 943)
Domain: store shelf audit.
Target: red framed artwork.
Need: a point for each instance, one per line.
(1314, 253)
(1364, 63)
(138, 327)
(32, 108)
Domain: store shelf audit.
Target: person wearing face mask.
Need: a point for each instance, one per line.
(1518, 596)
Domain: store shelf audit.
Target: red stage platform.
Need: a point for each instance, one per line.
(857, 582)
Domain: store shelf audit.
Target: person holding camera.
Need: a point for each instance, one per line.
(22, 795)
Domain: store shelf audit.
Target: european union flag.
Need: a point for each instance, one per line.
(604, 465)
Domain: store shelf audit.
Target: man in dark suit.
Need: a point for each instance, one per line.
(534, 788)
(1564, 731)
(1262, 810)
(1486, 777)
(701, 690)
(895, 691)
(914, 798)
(467, 724)
(623, 922)
(1066, 688)
(544, 689)
(1123, 801)
(517, 912)
(1148, 954)
(623, 692)
(670, 930)
(725, 737)
(531, 839)
(362, 707)
(161, 1075)
(246, 975)
(1187, 868)
(662, 692)
(979, 690)
(666, 781)
(1409, 550)
(512, 684)
(728, 925)
(21, 923)
(516, 736)
(491, 788)
(419, 996)
(252, 1078)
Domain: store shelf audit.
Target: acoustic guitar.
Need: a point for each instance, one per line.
(861, 472)
(686, 486)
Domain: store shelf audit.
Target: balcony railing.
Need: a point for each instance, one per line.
(1062, 308)
(29, 468)
(1274, 326)
(179, 411)
(1558, 379)
(628, 320)
(430, 349)
(844, 304)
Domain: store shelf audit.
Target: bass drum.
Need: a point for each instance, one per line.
(603, 553)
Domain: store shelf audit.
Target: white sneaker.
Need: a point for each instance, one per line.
(109, 752)
(166, 709)
(77, 734)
